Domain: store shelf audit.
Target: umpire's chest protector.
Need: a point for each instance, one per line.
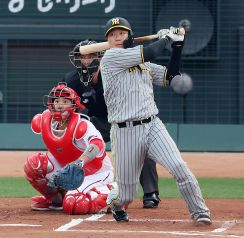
(62, 148)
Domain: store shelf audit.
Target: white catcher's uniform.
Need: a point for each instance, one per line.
(136, 131)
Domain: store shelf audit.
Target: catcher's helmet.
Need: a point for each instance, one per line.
(62, 91)
(117, 22)
(85, 71)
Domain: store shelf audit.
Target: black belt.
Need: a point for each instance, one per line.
(135, 123)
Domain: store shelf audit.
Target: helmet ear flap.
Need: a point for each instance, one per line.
(78, 103)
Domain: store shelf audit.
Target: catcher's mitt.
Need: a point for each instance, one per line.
(69, 177)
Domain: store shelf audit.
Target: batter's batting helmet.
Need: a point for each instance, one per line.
(85, 71)
(117, 22)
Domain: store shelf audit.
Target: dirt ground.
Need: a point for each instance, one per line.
(212, 165)
(170, 219)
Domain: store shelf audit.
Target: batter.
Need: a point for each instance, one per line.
(136, 131)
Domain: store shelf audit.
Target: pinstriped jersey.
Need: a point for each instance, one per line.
(128, 84)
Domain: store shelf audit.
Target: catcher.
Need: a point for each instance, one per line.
(75, 175)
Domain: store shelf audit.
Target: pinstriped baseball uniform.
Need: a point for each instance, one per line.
(128, 93)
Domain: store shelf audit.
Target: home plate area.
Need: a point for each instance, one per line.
(161, 222)
(102, 224)
(171, 219)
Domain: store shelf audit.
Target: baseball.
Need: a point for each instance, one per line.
(182, 84)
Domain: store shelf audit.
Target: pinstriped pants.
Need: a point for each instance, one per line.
(131, 145)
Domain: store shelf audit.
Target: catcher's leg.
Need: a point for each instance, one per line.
(91, 202)
(36, 168)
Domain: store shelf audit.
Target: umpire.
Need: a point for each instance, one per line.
(87, 82)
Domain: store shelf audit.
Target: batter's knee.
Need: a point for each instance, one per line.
(182, 172)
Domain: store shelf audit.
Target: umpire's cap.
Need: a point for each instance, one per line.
(117, 22)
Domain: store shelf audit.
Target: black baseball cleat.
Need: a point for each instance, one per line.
(151, 200)
(120, 216)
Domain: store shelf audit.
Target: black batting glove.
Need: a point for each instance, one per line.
(128, 43)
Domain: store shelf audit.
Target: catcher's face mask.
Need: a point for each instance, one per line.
(86, 65)
(62, 101)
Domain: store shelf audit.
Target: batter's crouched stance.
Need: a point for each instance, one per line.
(136, 131)
(70, 139)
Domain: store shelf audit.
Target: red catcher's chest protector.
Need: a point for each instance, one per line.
(62, 148)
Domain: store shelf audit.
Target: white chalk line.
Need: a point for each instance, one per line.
(24, 225)
(170, 221)
(175, 233)
(225, 226)
(75, 222)
(95, 218)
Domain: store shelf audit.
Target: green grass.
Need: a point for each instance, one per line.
(15, 187)
(211, 188)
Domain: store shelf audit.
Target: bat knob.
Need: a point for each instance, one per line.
(181, 31)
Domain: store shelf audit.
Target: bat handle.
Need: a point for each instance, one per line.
(155, 36)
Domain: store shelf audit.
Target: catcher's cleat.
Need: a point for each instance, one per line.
(202, 220)
(120, 216)
(150, 200)
(43, 204)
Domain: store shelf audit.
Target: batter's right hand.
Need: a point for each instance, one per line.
(175, 34)
(162, 33)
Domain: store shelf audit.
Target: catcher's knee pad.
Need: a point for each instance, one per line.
(98, 199)
(36, 167)
(76, 204)
(91, 202)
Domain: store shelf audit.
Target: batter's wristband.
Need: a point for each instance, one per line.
(91, 151)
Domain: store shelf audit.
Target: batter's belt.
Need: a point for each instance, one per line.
(135, 123)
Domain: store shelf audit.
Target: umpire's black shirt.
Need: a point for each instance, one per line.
(91, 95)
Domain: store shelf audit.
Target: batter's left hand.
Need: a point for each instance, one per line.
(162, 33)
(128, 43)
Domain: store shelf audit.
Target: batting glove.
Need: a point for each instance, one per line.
(162, 33)
(175, 34)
